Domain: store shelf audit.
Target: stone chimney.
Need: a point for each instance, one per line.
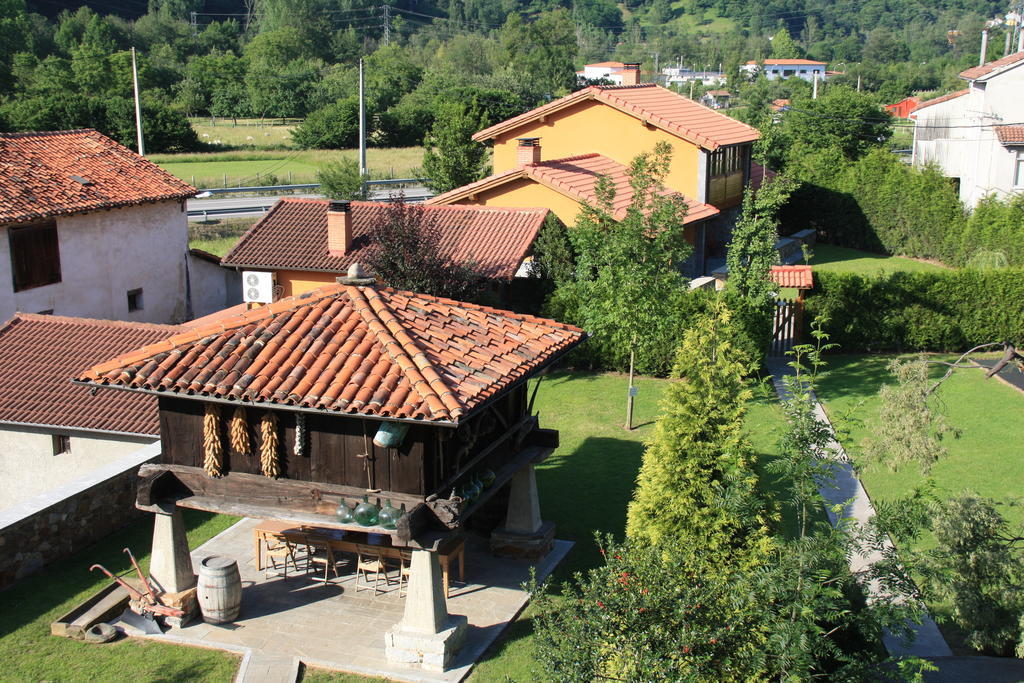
(339, 227)
(630, 74)
(528, 151)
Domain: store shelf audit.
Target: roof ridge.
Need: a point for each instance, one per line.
(403, 351)
(575, 157)
(91, 322)
(48, 133)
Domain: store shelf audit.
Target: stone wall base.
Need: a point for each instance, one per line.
(523, 546)
(428, 651)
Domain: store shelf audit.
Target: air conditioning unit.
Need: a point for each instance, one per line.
(257, 287)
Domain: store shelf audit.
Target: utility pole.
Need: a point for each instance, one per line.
(362, 122)
(387, 24)
(138, 107)
(195, 29)
(814, 96)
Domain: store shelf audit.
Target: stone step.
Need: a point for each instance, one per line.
(267, 667)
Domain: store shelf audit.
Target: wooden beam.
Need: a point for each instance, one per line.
(484, 452)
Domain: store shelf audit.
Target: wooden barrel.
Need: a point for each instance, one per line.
(219, 590)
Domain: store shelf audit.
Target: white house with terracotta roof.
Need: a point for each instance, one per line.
(775, 69)
(618, 73)
(93, 230)
(51, 430)
(976, 135)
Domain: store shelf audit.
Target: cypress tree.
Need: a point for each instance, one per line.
(696, 486)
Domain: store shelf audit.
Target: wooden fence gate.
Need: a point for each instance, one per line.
(786, 326)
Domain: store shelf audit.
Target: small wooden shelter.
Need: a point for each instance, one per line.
(287, 410)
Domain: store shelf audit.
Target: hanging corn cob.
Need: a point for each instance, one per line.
(239, 432)
(213, 451)
(268, 447)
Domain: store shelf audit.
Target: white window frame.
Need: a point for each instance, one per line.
(1018, 169)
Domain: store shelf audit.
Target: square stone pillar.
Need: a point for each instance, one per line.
(170, 565)
(525, 535)
(427, 636)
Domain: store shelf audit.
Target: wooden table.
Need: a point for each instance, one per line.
(453, 548)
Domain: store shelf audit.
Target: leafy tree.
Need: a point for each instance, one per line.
(409, 255)
(341, 179)
(841, 117)
(542, 50)
(165, 129)
(451, 158)
(333, 127)
(696, 485)
(784, 47)
(14, 37)
(627, 290)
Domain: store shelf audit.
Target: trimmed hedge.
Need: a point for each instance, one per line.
(920, 311)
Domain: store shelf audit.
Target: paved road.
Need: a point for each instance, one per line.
(233, 206)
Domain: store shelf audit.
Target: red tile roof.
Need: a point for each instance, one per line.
(39, 354)
(990, 68)
(1010, 135)
(652, 104)
(575, 177)
(798, 277)
(293, 236)
(939, 100)
(777, 105)
(73, 171)
(614, 65)
(759, 175)
(371, 351)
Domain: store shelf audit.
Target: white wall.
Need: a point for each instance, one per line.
(971, 151)
(104, 254)
(213, 287)
(28, 466)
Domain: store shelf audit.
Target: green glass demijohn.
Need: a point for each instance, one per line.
(366, 513)
(344, 513)
(388, 517)
(487, 477)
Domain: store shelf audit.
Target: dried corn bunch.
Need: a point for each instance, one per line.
(213, 450)
(239, 432)
(268, 448)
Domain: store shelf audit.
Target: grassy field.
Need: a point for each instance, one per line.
(241, 167)
(30, 653)
(245, 133)
(986, 459)
(218, 236)
(828, 258)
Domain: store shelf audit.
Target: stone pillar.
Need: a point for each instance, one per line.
(170, 564)
(525, 535)
(427, 636)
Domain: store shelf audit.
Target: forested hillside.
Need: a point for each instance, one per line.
(298, 58)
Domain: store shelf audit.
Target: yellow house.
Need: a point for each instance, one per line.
(553, 155)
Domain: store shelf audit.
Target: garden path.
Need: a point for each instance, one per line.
(845, 489)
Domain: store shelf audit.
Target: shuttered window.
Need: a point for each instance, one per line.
(35, 255)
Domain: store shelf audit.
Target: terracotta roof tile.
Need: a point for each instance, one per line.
(990, 68)
(939, 100)
(371, 351)
(293, 235)
(653, 104)
(576, 177)
(39, 354)
(72, 171)
(1010, 135)
(798, 277)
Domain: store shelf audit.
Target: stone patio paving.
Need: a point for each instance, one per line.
(334, 627)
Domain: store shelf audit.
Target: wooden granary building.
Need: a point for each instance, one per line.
(287, 410)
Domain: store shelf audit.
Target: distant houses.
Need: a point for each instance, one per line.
(774, 69)
(976, 135)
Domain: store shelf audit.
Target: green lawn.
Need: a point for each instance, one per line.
(219, 235)
(986, 459)
(30, 653)
(828, 258)
(231, 169)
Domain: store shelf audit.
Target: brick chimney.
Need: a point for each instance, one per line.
(630, 74)
(528, 151)
(339, 228)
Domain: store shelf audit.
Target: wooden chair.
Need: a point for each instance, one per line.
(370, 561)
(319, 552)
(278, 548)
(404, 572)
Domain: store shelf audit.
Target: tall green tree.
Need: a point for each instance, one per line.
(542, 50)
(841, 117)
(696, 487)
(451, 158)
(784, 47)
